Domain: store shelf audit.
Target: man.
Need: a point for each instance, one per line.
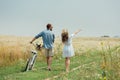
(48, 40)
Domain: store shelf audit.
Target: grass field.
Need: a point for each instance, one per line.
(95, 59)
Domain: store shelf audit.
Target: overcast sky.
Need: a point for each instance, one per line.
(29, 17)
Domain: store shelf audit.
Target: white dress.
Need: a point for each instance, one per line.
(68, 50)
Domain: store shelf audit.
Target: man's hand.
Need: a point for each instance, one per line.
(30, 42)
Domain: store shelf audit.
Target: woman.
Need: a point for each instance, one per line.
(68, 50)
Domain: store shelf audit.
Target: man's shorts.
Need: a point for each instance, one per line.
(48, 52)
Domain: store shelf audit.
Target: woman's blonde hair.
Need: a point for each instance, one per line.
(64, 35)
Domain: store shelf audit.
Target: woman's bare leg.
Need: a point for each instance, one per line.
(67, 63)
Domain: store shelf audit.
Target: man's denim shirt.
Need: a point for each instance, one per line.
(47, 37)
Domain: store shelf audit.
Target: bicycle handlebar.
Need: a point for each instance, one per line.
(37, 46)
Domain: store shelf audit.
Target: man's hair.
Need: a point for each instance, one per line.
(64, 35)
(48, 26)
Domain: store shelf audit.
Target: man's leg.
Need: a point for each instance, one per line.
(50, 55)
(49, 62)
(47, 59)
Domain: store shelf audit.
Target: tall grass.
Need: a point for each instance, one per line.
(13, 48)
(101, 56)
(12, 51)
(110, 61)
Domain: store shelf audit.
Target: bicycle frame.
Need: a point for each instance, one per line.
(32, 59)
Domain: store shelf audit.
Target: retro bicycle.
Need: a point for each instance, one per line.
(31, 60)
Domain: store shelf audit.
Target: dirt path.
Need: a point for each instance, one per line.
(51, 78)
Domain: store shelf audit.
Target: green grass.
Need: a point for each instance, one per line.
(40, 72)
(89, 62)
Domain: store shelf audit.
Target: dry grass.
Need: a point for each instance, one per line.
(13, 48)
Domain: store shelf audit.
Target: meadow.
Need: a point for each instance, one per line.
(96, 58)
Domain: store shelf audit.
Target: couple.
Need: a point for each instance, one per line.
(48, 39)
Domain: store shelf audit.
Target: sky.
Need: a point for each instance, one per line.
(29, 17)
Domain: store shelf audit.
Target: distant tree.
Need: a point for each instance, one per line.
(105, 36)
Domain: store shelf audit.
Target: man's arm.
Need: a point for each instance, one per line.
(53, 38)
(37, 36)
(33, 40)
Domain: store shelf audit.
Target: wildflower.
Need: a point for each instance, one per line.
(101, 43)
(104, 78)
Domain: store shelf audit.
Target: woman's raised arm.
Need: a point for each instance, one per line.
(77, 31)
